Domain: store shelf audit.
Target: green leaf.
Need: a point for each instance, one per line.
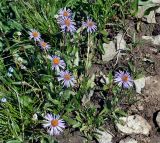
(83, 128)
(120, 112)
(77, 125)
(14, 141)
(25, 100)
(70, 121)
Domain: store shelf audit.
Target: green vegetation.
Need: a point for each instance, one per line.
(32, 88)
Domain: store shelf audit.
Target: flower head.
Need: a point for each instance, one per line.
(64, 13)
(3, 100)
(54, 124)
(66, 78)
(35, 117)
(44, 45)
(10, 71)
(123, 79)
(35, 35)
(57, 63)
(90, 25)
(67, 24)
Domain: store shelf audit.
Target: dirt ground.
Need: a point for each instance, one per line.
(148, 103)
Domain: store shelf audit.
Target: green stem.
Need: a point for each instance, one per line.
(88, 50)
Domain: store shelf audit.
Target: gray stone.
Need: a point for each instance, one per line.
(134, 124)
(104, 137)
(109, 51)
(139, 83)
(128, 140)
(158, 119)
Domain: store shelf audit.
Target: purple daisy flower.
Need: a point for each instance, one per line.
(66, 78)
(123, 79)
(34, 34)
(90, 25)
(64, 13)
(57, 63)
(67, 24)
(44, 45)
(54, 124)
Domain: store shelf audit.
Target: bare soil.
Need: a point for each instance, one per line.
(146, 58)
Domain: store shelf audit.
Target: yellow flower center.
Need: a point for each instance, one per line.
(125, 78)
(43, 44)
(65, 13)
(67, 77)
(54, 123)
(56, 61)
(35, 34)
(67, 22)
(90, 24)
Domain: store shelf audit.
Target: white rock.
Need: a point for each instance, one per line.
(158, 119)
(154, 39)
(151, 18)
(143, 6)
(105, 137)
(121, 43)
(128, 140)
(156, 1)
(158, 10)
(112, 49)
(104, 79)
(134, 124)
(139, 83)
(109, 51)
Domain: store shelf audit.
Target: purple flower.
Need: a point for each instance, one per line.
(64, 13)
(90, 25)
(67, 24)
(3, 100)
(57, 63)
(123, 79)
(44, 45)
(54, 124)
(66, 78)
(35, 35)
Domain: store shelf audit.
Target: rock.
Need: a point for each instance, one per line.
(151, 17)
(109, 51)
(104, 137)
(112, 49)
(121, 43)
(134, 124)
(128, 140)
(139, 83)
(155, 40)
(158, 119)
(156, 1)
(158, 10)
(104, 79)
